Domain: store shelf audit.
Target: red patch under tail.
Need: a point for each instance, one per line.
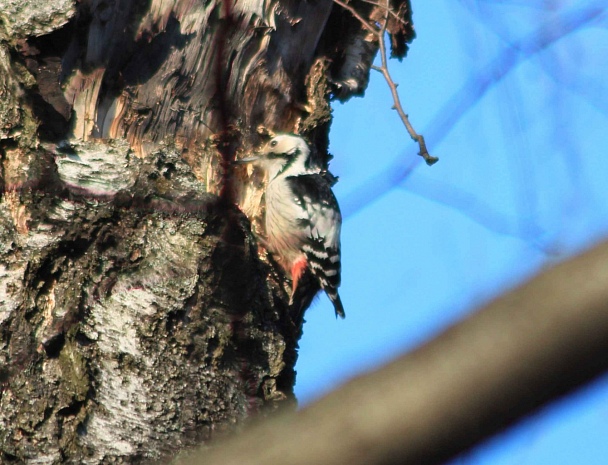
(297, 270)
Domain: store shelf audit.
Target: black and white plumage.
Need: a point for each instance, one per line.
(303, 218)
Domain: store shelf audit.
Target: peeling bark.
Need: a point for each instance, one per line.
(137, 315)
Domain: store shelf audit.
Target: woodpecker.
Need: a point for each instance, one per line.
(302, 220)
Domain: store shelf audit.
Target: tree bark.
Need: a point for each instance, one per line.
(137, 314)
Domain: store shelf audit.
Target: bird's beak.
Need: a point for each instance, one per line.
(244, 161)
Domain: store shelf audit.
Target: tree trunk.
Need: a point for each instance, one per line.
(137, 315)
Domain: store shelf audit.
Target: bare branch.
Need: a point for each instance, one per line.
(379, 33)
(430, 160)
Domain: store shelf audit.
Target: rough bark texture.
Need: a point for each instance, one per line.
(137, 314)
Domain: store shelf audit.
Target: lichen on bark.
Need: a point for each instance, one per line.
(138, 314)
(131, 338)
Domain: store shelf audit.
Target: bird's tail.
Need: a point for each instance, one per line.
(335, 299)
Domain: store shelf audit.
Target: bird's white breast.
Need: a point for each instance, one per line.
(283, 231)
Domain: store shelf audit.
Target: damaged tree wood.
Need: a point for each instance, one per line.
(137, 315)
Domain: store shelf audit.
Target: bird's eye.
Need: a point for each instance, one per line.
(273, 143)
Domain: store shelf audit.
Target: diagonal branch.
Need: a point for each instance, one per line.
(365, 23)
(528, 347)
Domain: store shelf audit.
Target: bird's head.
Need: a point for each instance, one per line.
(284, 154)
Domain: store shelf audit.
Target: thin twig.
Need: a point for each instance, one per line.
(361, 19)
(379, 34)
(430, 160)
(478, 84)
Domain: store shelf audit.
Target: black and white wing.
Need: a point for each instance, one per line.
(321, 221)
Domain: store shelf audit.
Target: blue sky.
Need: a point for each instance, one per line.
(513, 98)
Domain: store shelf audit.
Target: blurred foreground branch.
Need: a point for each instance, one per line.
(523, 350)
